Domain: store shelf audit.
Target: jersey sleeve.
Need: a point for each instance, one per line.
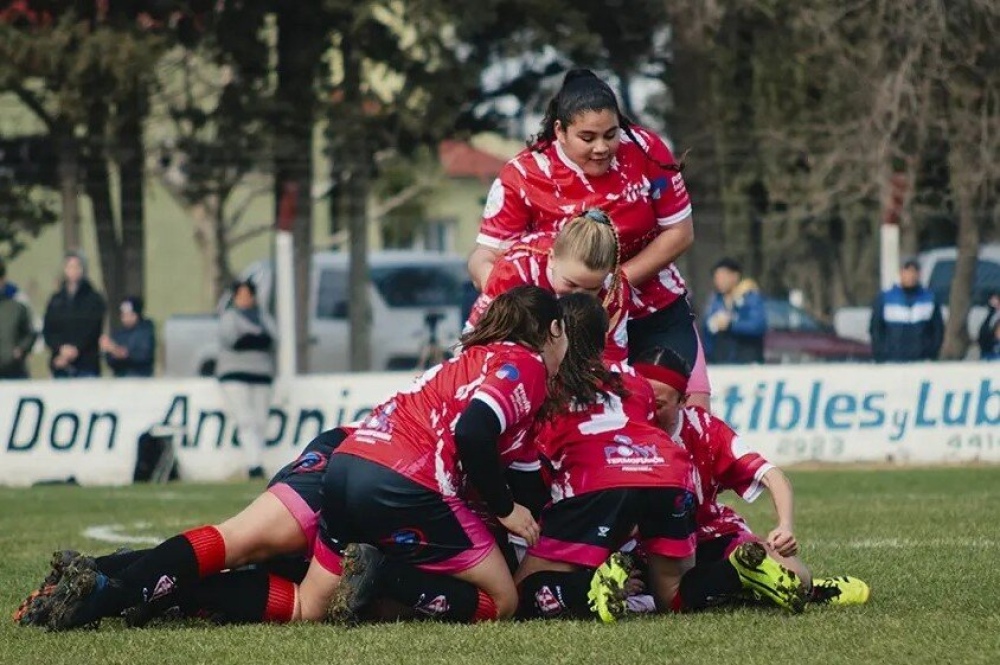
(515, 387)
(736, 467)
(506, 215)
(671, 202)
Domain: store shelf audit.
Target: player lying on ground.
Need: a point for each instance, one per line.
(507, 361)
(724, 462)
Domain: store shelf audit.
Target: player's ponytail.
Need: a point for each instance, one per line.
(523, 315)
(583, 377)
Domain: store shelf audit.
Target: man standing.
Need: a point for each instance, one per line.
(906, 325)
(16, 332)
(73, 322)
(735, 322)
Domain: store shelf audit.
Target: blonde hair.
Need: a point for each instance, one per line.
(593, 240)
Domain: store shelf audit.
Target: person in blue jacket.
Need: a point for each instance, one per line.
(735, 321)
(906, 324)
(130, 350)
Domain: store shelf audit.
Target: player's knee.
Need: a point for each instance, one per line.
(505, 599)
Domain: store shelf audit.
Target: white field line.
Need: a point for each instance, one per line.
(112, 533)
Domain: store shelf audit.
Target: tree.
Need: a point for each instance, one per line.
(86, 76)
(215, 91)
(22, 216)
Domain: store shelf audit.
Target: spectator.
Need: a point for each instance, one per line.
(989, 333)
(73, 322)
(16, 332)
(735, 322)
(129, 350)
(906, 325)
(245, 370)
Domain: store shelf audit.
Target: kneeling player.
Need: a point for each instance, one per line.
(724, 462)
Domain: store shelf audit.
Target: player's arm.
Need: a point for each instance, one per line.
(481, 264)
(476, 435)
(666, 247)
(782, 537)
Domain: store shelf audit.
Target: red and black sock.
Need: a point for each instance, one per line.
(250, 595)
(439, 597)
(708, 585)
(553, 594)
(176, 562)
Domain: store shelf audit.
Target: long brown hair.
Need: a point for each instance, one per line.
(583, 377)
(523, 315)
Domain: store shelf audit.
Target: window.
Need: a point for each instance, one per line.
(420, 286)
(331, 300)
(782, 315)
(987, 280)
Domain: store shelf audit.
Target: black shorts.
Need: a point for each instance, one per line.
(585, 529)
(720, 548)
(671, 328)
(299, 485)
(366, 502)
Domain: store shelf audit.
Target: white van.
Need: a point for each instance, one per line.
(410, 292)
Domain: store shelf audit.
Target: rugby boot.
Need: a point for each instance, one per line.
(766, 579)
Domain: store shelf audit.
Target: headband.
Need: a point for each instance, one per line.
(597, 215)
(674, 379)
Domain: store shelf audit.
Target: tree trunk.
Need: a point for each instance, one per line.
(690, 81)
(97, 184)
(131, 203)
(69, 176)
(205, 239)
(357, 189)
(956, 332)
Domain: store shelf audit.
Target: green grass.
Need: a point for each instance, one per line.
(925, 539)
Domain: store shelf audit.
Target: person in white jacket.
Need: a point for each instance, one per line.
(245, 370)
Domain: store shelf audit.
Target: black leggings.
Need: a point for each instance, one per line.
(671, 328)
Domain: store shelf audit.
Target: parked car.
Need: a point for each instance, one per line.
(937, 271)
(793, 336)
(410, 292)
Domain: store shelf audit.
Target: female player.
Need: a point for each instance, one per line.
(396, 480)
(581, 257)
(612, 471)
(589, 155)
(724, 462)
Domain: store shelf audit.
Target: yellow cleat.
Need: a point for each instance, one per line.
(766, 579)
(607, 596)
(842, 590)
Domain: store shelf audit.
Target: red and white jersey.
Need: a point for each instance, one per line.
(723, 462)
(614, 443)
(527, 262)
(413, 433)
(541, 191)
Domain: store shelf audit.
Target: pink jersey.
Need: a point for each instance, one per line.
(413, 433)
(541, 191)
(613, 444)
(723, 462)
(527, 262)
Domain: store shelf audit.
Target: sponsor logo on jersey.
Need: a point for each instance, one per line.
(509, 372)
(632, 454)
(521, 401)
(494, 200)
(547, 602)
(602, 531)
(658, 185)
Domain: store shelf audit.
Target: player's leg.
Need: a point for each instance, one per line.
(569, 572)
(280, 521)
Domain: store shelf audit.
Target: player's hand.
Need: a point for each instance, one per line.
(521, 523)
(635, 584)
(782, 541)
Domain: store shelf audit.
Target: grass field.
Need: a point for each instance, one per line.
(926, 540)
